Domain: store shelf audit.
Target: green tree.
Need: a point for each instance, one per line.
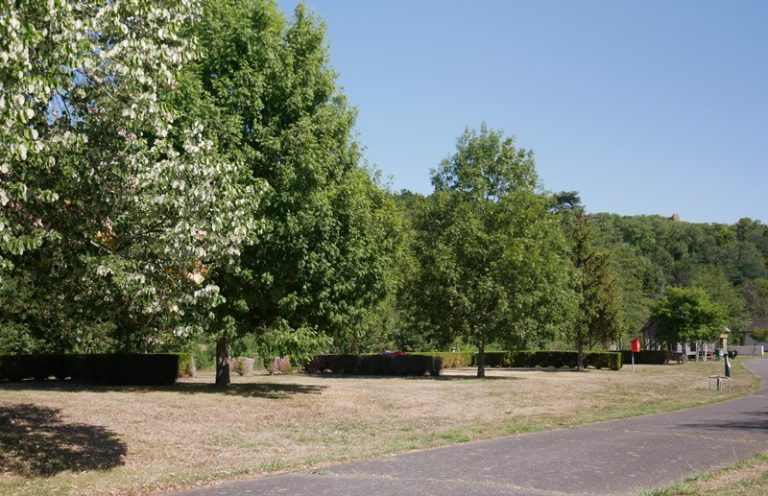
(599, 317)
(720, 290)
(760, 335)
(489, 249)
(122, 201)
(265, 91)
(755, 295)
(687, 315)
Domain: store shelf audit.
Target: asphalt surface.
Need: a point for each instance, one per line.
(610, 458)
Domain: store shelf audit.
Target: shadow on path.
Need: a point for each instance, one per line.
(35, 441)
(757, 420)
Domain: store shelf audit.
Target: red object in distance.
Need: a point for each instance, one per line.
(635, 345)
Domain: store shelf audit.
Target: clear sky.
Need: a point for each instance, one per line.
(644, 107)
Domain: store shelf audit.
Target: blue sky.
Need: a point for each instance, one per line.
(644, 107)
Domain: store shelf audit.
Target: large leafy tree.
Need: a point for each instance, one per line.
(266, 92)
(123, 203)
(687, 315)
(489, 249)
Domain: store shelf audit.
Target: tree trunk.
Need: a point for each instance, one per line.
(579, 355)
(481, 359)
(222, 362)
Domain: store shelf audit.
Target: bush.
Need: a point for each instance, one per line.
(113, 369)
(648, 357)
(241, 365)
(398, 365)
(450, 359)
(599, 360)
(281, 365)
(187, 365)
(556, 359)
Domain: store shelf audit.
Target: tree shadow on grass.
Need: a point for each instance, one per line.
(261, 390)
(249, 390)
(36, 442)
(458, 377)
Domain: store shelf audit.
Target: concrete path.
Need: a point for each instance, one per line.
(610, 458)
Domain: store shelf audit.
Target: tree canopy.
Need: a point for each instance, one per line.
(489, 249)
(688, 315)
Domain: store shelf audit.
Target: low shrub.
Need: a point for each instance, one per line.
(399, 365)
(648, 357)
(556, 359)
(187, 365)
(450, 359)
(280, 365)
(241, 365)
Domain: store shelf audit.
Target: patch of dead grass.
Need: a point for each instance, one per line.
(193, 433)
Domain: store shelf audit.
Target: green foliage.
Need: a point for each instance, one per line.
(760, 335)
(107, 369)
(125, 204)
(755, 295)
(450, 359)
(299, 344)
(652, 357)
(714, 281)
(18, 339)
(688, 315)
(267, 96)
(599, 317)
(488, 250)
(404, 365)
(187, 366)
(556, 359)
(651, 252)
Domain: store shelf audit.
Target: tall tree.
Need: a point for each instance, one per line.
(266, 92)
(123, 202)
(599, 317)
(489, 249)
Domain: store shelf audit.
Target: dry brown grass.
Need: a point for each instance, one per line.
(68, 439)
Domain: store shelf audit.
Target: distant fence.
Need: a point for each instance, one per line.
(756, 350)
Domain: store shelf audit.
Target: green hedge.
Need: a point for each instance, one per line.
(403, 365)
(650, 357)
(110, 369)
(557, 359)
(450, 359)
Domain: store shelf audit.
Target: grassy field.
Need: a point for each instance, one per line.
(59, 438)
(745, 478)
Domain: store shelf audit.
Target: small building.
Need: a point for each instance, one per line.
(693, 351)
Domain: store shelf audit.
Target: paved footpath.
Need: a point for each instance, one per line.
(610, 458)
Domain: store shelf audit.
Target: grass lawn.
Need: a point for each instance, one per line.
(745, 478)
(60, 438)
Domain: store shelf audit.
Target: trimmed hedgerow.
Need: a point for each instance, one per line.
(399, 365)
(649, 357)
(108, 369)
(450, 359)
(599, 360)
(556, 359)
